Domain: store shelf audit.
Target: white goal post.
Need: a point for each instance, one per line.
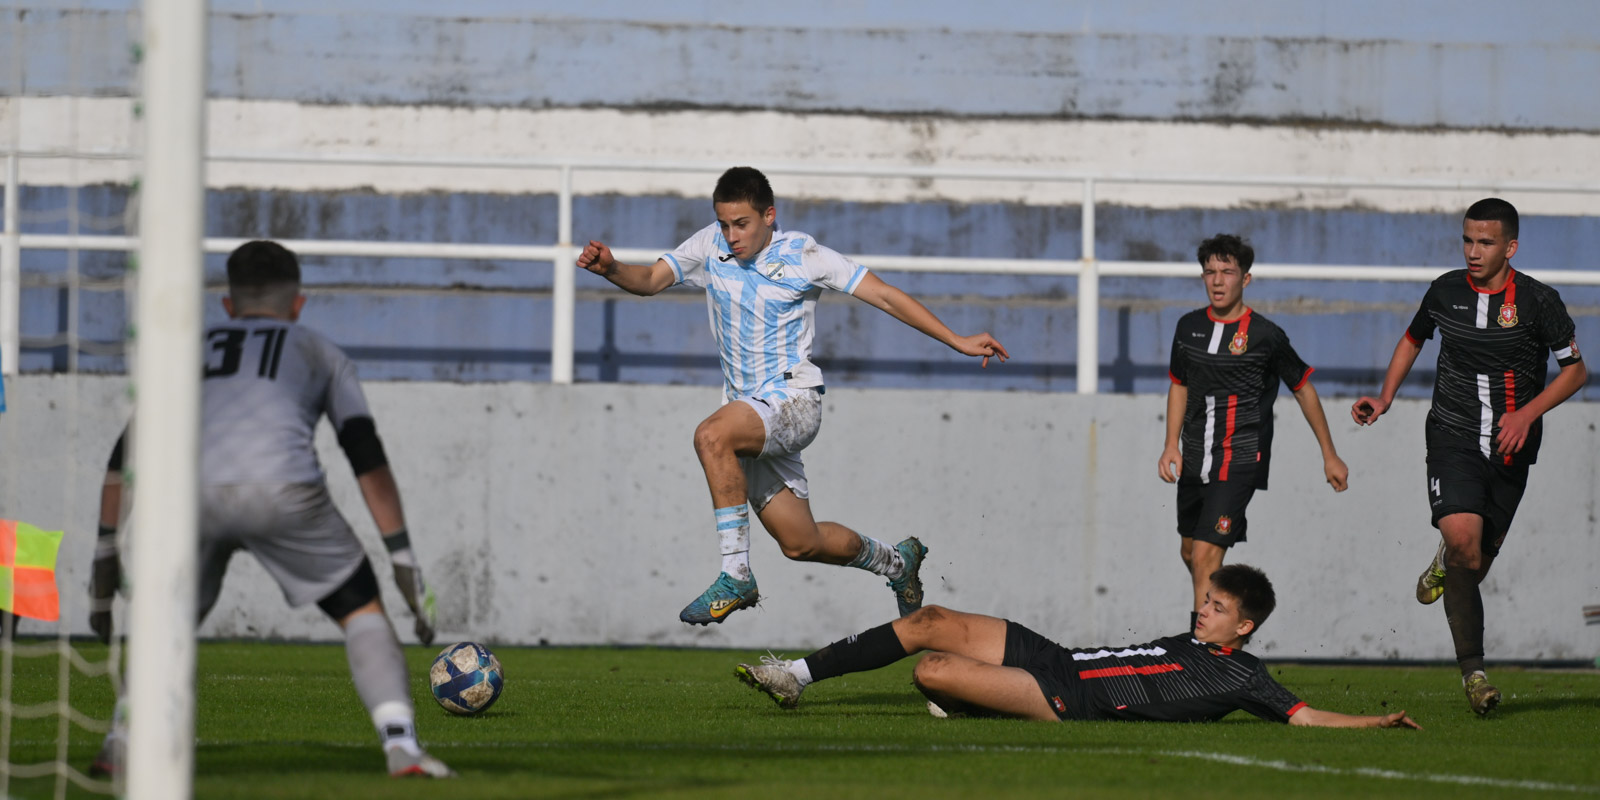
(166, 370)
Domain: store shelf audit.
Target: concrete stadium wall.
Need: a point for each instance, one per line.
(578, 515)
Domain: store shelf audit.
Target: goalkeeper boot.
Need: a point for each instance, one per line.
(1430, 587)
(405, 764)
(1480, 693)
(107, 763)
(772, 676)
(725, 596)
(908, 587)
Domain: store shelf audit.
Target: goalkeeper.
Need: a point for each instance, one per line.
(267, 384)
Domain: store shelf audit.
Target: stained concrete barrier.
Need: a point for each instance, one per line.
(577, 515)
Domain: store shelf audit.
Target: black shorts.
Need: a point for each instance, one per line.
(1462, 481)
(1214, 512)
(1051, 667)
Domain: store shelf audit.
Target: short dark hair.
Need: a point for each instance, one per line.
(1228, 247)
(1250, 587)
(744, 185)
(263, 275)
(1493, 209)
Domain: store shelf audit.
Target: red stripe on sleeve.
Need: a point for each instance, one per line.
(1307, 376)
(1113, 672)
(1174, 378)
(1511, 392)
(1227, 438)
(1412, 339)
(1295, 710)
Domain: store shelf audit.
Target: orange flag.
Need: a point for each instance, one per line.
(28, 571)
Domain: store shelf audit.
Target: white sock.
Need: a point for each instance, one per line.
(378, 667)
(801, 671)
(733, 529)
(879, 558)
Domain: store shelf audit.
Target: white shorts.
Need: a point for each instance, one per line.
(792, 418)
(294, 530)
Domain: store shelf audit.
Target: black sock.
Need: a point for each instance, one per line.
(877, 647)
(1463, 609)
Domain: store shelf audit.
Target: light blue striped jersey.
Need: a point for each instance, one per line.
(763, 310)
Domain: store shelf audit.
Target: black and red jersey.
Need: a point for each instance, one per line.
(1231, 369)
(1179, 679)
(1494, 349)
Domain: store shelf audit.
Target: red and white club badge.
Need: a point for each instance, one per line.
(1508, 315)
(1237, 346)
(1224, 525)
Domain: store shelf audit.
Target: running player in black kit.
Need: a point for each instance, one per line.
(1497, 329)
(1227, 361)
(994, 667)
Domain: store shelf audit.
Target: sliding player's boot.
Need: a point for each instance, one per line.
(405, 765)
(772, 676)
(908, 587)
(1430, 587)
(725, 596)
(1480, 693)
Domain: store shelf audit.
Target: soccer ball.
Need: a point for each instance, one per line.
(466, 678)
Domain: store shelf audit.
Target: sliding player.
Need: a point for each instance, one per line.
(762, 285)
(1226, 364)
(267, 383)
(986, 666)
(1497, 329)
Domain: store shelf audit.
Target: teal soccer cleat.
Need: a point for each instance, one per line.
(725, 596)
(908, 587)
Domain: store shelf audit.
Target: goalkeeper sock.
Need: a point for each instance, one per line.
(378, 668)
(874, 648)
(733, 528)
(879, 558)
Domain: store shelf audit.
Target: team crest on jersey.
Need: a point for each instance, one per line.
(1224, 525)
(1508, 315)
(1237, 346)
(774, 270)
(1573, 346)
(1061, 708)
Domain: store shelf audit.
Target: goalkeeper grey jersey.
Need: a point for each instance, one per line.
(267, 383)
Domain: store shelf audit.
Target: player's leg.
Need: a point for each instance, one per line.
(1191, 498)
(958, 684)
(1220, 524)
(973, 636)
(788, 518)
(1472, 542)
(723, 442)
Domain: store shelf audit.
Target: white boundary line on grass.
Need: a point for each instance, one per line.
(1221, 758)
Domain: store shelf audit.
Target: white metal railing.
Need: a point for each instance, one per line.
(562, 253)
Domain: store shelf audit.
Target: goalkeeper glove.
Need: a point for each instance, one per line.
(104, 582)
(419, 598)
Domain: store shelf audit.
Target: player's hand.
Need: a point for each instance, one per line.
(1513, 431)
(597, 258)
(1398, 720)
(1336, 472)
(981, 344)
(1171, 464)
(1367, 410)
(419, 598)
(104, 581)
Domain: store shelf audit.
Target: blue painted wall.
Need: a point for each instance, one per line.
(492, 321)
(1466, 64)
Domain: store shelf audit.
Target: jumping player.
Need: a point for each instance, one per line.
(762, 285)
(986, 666)
(267, 384)
(1496, 328)
(1226, 364)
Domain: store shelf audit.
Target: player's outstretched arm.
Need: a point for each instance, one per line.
(875, 292)
(633, 278)
(1171, 464)
(382, 496)
(1333, 719)
(1333, 467)
(1514, 425)
(1367, 410)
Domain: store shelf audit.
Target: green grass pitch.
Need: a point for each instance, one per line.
(283, 721)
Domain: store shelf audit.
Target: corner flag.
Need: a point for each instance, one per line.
(28, 571)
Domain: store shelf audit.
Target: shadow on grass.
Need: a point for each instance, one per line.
(1515, 706)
